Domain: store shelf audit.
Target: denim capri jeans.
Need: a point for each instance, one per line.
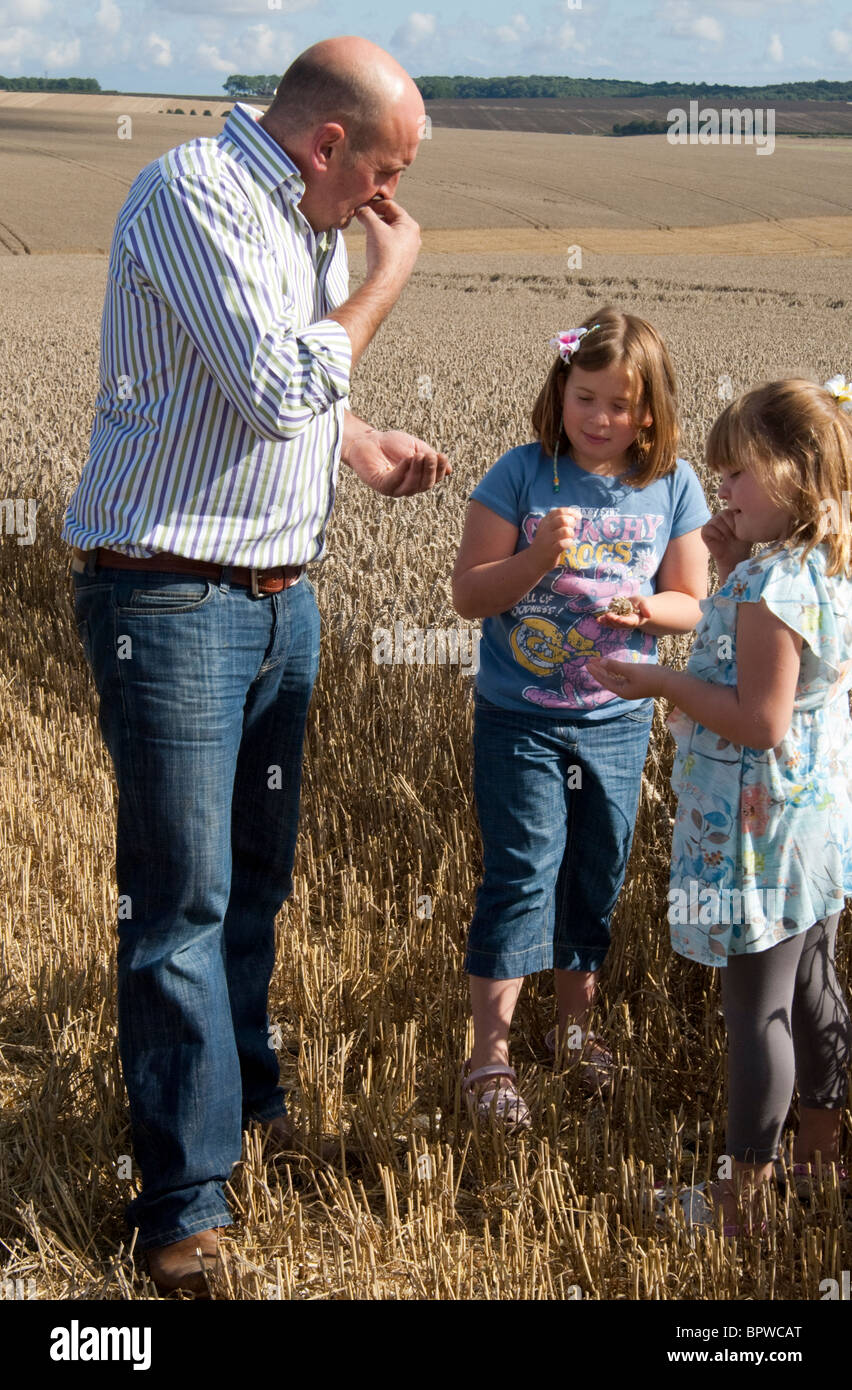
(557, 803)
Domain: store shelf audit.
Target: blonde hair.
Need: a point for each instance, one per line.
(795, 439)
(620, 340)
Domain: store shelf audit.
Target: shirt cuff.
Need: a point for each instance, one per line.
(330, 350)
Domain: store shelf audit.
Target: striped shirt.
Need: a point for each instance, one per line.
(219, 418)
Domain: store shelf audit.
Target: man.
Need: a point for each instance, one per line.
(227, 344)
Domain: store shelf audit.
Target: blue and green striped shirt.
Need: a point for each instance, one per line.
(219, 417)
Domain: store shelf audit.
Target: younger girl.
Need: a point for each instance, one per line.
(599, 507)
(762, 851)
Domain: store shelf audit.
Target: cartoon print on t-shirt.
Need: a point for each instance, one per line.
(611, 554)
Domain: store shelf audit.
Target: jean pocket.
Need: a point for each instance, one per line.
(173, 596)
(643, 715)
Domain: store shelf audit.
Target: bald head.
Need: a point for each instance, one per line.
(349, 81)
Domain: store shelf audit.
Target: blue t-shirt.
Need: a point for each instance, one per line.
(535, 654)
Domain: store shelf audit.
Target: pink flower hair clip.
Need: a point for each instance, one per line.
(568, 342)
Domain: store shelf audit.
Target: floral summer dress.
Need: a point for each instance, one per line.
(762, 845)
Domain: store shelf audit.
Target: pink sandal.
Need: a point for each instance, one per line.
(495, 1099)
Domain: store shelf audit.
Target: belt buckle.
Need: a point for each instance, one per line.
(254, 587)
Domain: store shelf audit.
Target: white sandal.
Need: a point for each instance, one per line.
(502, 1101)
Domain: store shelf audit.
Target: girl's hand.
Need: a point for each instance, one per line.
(720, 538)
(641, 613)
(631, 680)
(554, 532)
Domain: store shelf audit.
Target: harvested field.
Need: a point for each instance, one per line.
(368, 997)
(64, 175)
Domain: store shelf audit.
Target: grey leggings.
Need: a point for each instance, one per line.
(787, 1020)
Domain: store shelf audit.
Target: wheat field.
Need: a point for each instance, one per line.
(369, 1002)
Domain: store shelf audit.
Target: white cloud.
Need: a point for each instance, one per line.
(259, 50)
(14, 45)
(159, 50)
(567, 37)
(62, 55)
(840, 41)
(416, 28)
(109, 17)
(23, 11)
(776, 49)
(210, 57)
(208, 7)
(741, 7)
(514, 31)
(679, 19)
(706, 27)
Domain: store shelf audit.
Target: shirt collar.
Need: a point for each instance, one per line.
(271, 166)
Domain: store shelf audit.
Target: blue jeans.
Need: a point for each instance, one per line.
(204, 693)
(557, 806)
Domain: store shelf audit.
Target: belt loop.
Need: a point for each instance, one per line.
(225, 578)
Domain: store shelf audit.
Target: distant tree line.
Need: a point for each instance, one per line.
(50, 84)
(456, 88)
(262, 85)
(640, 128)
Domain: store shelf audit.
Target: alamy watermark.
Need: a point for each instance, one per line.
(14, 1290)
(708, 907)
(730, 126)
(430, 646)
(76, 1343)
(835, 518)
(19, 518)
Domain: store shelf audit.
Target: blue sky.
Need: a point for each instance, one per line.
(190, 46)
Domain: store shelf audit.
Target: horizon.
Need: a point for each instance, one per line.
(196, 44)
(678, 87)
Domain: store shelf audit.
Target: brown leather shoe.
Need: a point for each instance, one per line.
(179, 1266)
(282, 1137)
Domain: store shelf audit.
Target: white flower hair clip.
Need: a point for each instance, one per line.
(841, 390)
(568, 342)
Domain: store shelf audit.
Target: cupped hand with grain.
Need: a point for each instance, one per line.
(626, 612)
(396, 464)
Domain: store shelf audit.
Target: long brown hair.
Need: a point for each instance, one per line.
(620, 340)
(797, 441)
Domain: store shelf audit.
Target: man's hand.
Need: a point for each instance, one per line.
(631, 680)
(395, 463)
(393, 241)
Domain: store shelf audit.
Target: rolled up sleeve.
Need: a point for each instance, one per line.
(199, 245)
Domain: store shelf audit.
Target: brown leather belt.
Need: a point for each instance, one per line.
(270, 581)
